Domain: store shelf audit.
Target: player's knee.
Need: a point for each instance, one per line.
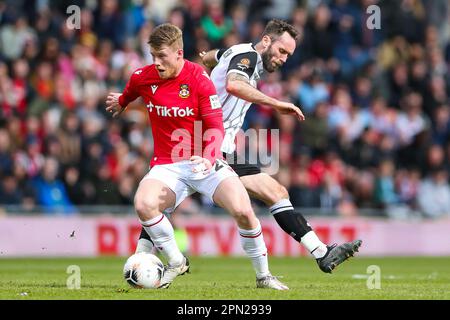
(146, 208)
(244, 216)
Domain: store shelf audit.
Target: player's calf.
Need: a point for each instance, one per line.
(276, 194)
(232, 196)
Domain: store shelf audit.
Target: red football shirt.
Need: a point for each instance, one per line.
(185, 112)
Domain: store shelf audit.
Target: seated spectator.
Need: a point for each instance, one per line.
(14, 36)
(312, 92)
(215, 23)
(441, 125)
(73, 185)
(412, 120)
(106, 189)
(314, 132)
(302, 192)
(385, 194)
(6, 162)
(433, 196)
(407, 183)
(10, 194)
(50, 191)
(362, 93)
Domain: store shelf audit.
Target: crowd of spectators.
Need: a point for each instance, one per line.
(377, 103)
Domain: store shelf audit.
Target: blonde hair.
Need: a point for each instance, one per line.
(166, 35)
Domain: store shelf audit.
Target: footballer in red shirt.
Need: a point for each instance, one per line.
(186, 118)
(181, 111)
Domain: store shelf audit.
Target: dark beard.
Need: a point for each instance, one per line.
(266, 57)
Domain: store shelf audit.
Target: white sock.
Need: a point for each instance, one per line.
(144, 245)
(252, 241)
(282, 205)
(161, 232)
(313, 244)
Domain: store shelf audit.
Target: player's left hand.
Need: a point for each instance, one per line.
(290, 108)
(200, 164)
(206, 60)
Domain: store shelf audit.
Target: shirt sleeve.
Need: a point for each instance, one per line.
(130, 92)
(244, 63)
(210, 110)
(219, 54)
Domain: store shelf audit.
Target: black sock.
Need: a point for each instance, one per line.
(293, 223)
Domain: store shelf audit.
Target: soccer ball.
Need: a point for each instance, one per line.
(143, 270)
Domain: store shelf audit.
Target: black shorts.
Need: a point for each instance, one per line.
(242, 167)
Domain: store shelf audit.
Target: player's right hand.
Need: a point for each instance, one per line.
(200, 164)
(290, 108)
(112, 104)
(207, 60)
(202, 56)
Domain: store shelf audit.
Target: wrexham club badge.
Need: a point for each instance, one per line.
(184, 91)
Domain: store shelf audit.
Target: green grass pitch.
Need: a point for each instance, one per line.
(229, 278)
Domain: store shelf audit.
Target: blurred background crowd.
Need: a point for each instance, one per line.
(376, 139)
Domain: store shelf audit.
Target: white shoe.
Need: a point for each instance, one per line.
(271, 282)
(170, 273)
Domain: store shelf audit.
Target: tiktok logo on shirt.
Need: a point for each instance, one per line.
(164, 111)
